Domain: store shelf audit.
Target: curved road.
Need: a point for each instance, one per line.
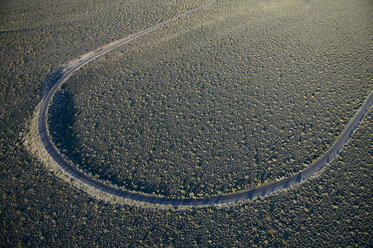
(250, 194)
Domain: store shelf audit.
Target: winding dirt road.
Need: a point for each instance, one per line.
(68, 69)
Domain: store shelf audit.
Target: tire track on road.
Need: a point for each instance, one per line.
(69, 68)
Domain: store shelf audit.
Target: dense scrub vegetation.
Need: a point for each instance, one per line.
(217, 107)
(38, 209)
(31, 49)
(334, 210)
